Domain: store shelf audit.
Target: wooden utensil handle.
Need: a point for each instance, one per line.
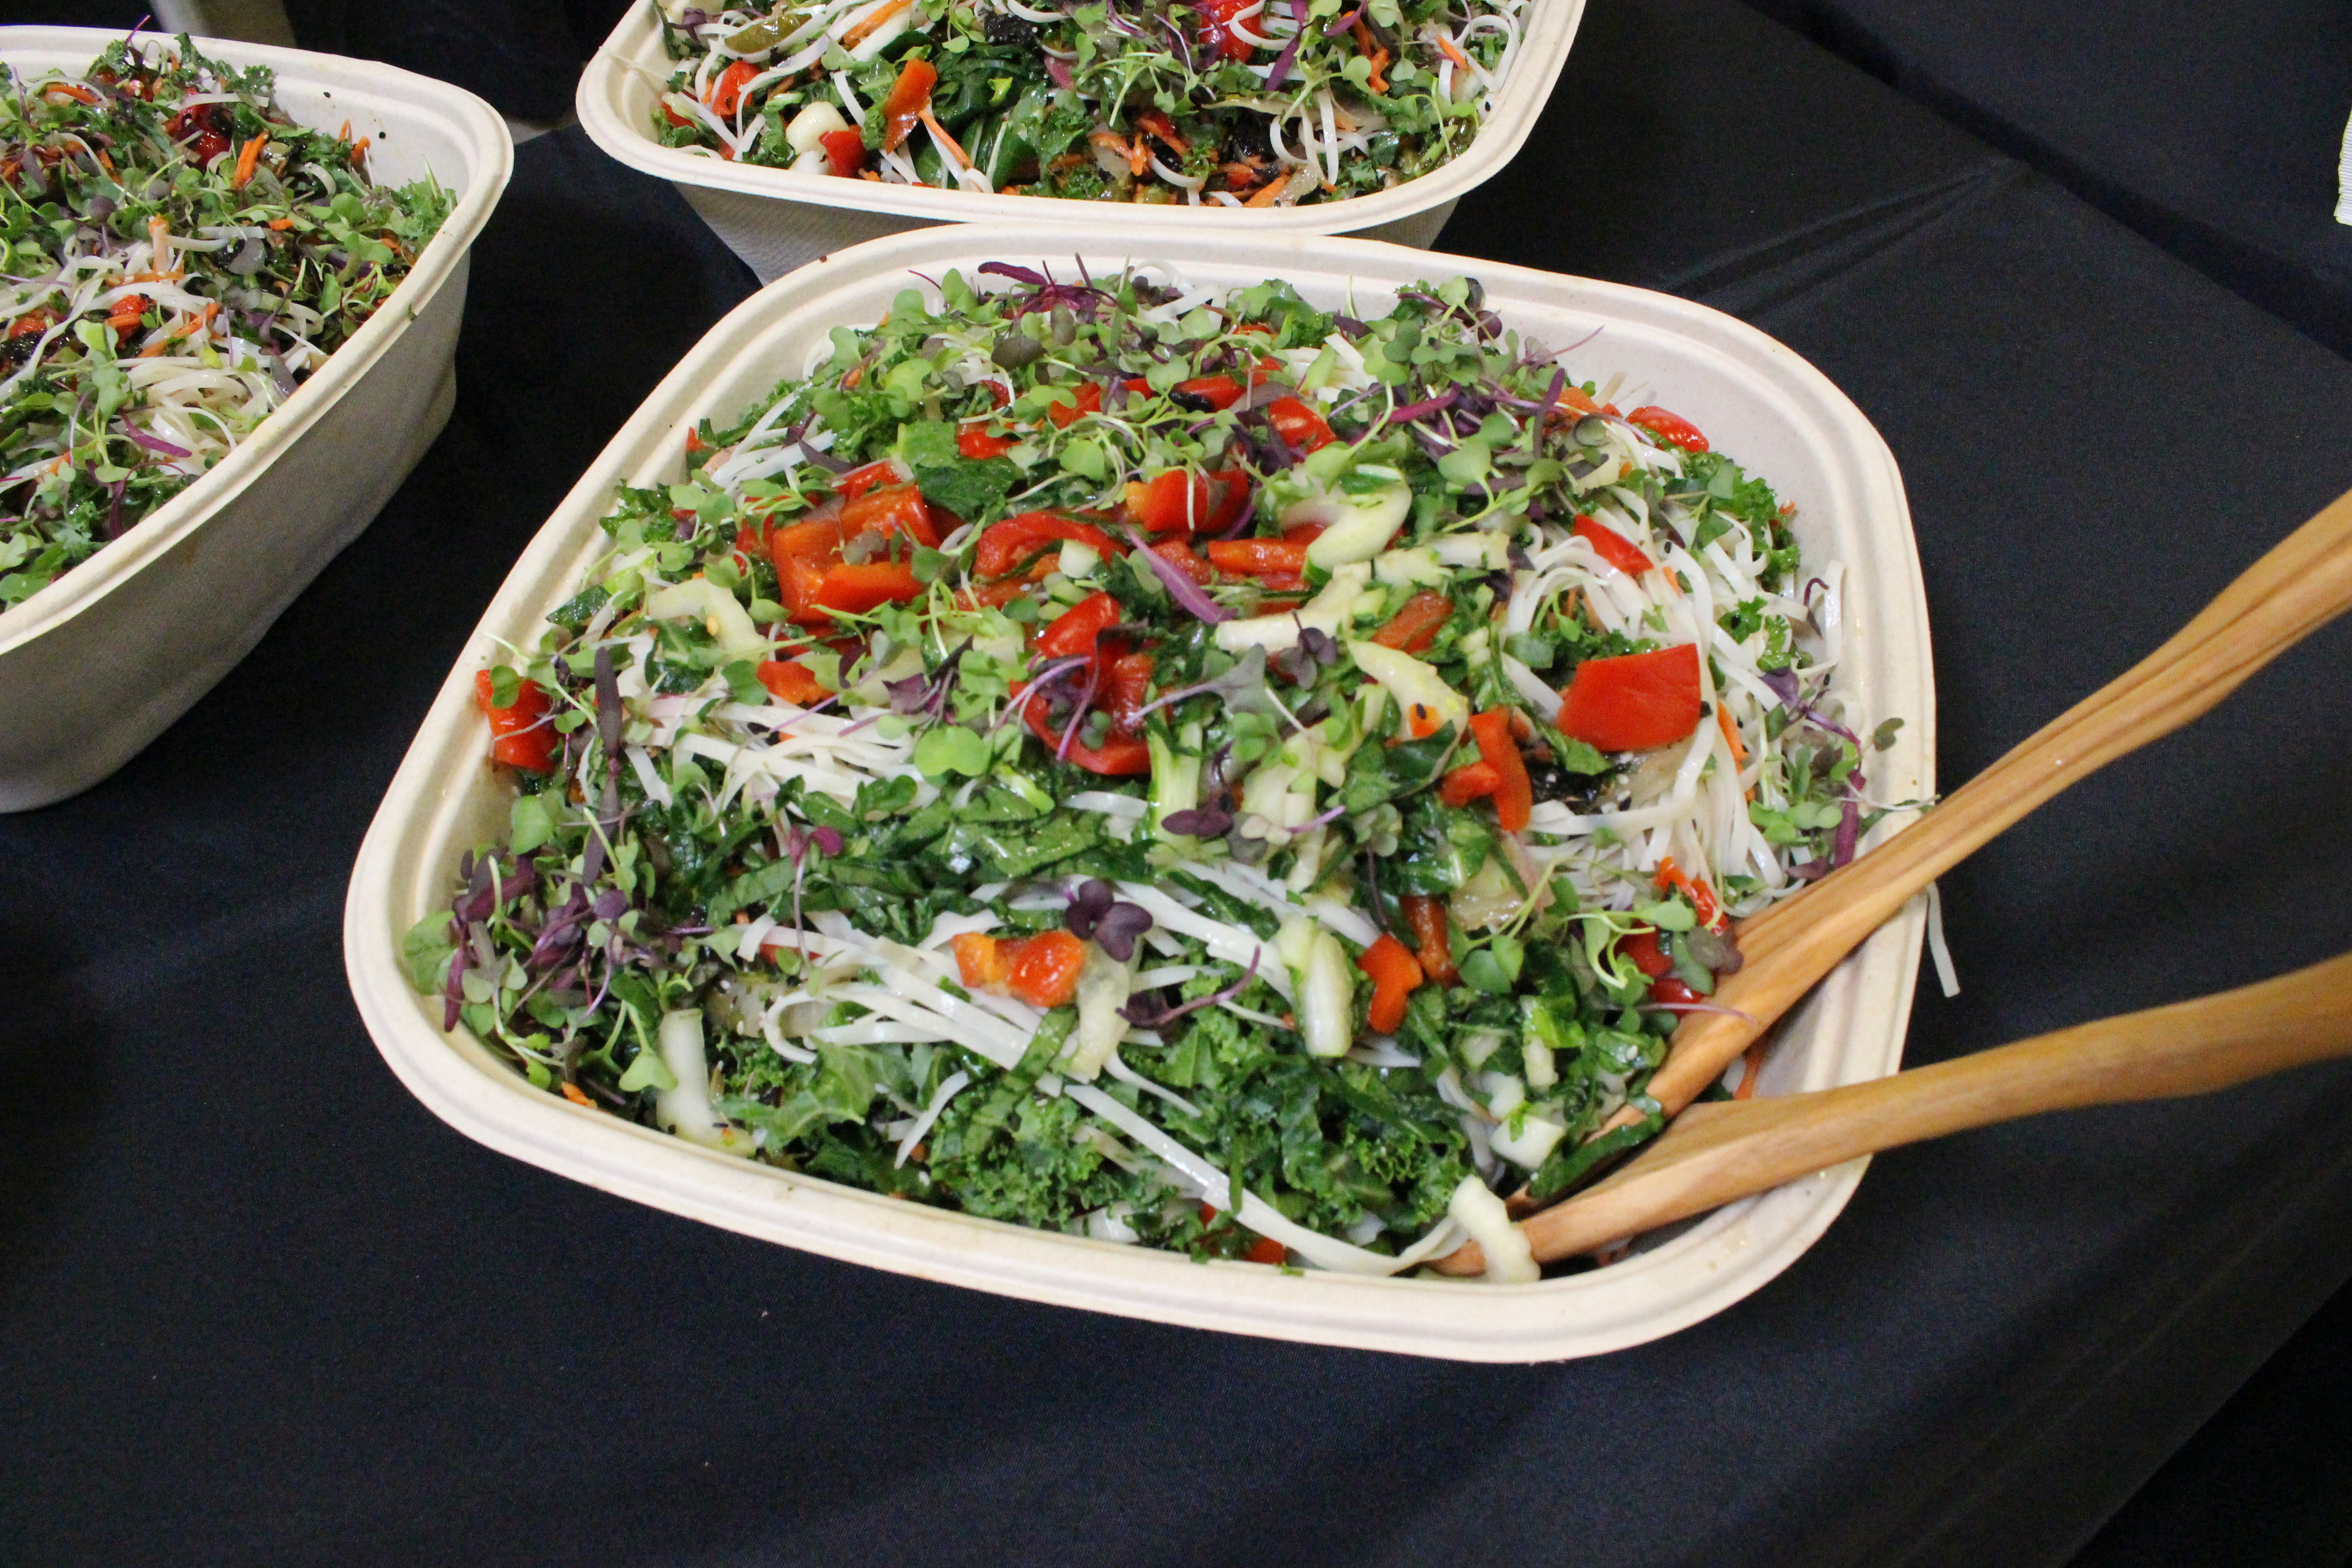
(2300, 586)
(1716, 1153)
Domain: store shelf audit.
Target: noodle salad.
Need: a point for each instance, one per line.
(1178, 767)
(1229, 102)
(176, 256)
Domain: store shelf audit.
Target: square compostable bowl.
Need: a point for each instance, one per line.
(1754, 398)
(102, 660)
(777, 220)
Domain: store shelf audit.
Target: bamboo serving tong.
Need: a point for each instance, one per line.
(1714, 1153)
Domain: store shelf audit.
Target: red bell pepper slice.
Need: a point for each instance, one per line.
(791, 681)
(1432, 937)
(726, 92)
(909, 96)
(845, 150)
(1611, 546)
(1077, 629)
(894, 510)
(1515, 795)
(1417, 622)
(520, 736)
(1299, 425)
(1672, 429)
(1004, 545)
(972, 441)
(1396, 973)
(1635, 702)
(1177, 501)
(1083, 400)
(1258, 557)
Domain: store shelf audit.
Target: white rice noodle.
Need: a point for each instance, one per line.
(1234, 944)
(950, 1087)
(1248, 883)
(1128, 1075)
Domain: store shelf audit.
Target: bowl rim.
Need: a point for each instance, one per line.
(1679, 1281)
(602, 84)
(466, 117)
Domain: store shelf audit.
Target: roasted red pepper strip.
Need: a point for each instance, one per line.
(1396, 973)
(1258, 557)
(1179, 555)
(1299, 425)
(1515, 795)
(520, 736)
(1416, 623)
(857, 482)
(1611, 546)
(1114, 758)
(1175, 502)
(972, 441)
(1040, 969)
(1219, 392)
(855, 590)
(1218, 32)
(909, 96)
(845, 150)
(1470, 781)
(1635, 702)
(791, 681)
(1083, 400)
(1077, 629)
(1672, 429)
(1641, 947)
(726, 92)
(1432, 937)
(896, 510)
(1007, 545)
(1126, 688)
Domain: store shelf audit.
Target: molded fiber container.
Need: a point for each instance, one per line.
(102, 660)
(1753, 397)
(777, 220)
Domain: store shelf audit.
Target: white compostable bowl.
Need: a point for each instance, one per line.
(777, 220)
(102, 660)
(1753, 397)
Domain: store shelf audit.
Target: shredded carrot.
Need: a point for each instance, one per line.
(345, 133)
(1730, 734)
(281, 224)
(104, 162)
(359, 149)
(573, 1093)
(183, 327)
(246, 157)
(1373, 52)
(1265, 197)
(953, 147)
(872, 20)
(1453, 50)
(1751, 1065)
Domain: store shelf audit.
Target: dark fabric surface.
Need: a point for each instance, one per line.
(2213, 129)
(256, 1306)
(2267, 1480)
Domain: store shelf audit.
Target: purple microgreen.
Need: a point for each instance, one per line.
(1092, 900)
(1200, 822)
(1281, 72)
(1849, 831)
(1120, 925)
(1151, 1013)
(1180, 588)
(1427, 405)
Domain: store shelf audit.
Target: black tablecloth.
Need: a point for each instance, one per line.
(2213, 129)
(256, 1306)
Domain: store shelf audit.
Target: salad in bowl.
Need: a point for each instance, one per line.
(1237, 103)
(1182, 767)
